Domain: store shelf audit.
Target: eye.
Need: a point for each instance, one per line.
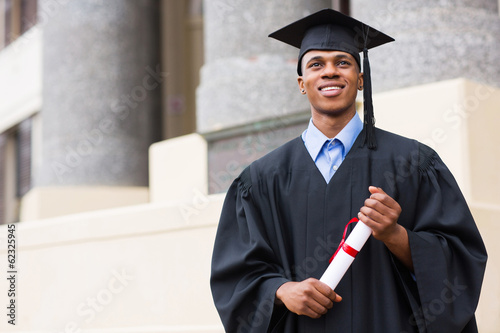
(344, 63)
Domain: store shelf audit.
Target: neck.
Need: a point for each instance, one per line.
(331, 126)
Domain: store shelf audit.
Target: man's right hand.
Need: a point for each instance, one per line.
(310, 297)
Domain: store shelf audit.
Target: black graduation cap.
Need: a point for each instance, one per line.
(331, 30)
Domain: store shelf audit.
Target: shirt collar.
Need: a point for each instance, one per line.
(314, 139)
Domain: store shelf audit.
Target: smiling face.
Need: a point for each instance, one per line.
(331, 80)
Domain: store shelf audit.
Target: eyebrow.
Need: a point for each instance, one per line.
(338, 56)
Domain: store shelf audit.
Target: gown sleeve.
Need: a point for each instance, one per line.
(448, 253)
(245, 270)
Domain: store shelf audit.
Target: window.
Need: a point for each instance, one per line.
(3, 177)
(23, 157)
(182, 58)
(15, 169)
(342, 6)
(16, 17)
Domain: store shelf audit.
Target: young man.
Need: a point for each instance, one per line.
(285, 215)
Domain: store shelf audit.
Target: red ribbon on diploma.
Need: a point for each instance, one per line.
(347, 249)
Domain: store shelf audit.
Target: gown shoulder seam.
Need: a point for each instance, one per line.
(426, 157)
(246, 179)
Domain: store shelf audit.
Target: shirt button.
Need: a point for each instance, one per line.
(335, 168)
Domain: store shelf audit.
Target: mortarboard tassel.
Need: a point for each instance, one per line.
(369, 118)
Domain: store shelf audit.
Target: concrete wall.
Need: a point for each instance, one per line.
(145, 268)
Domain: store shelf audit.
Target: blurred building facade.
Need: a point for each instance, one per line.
(123, 122)
(86, 93)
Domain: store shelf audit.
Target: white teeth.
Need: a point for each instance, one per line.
(331, 88)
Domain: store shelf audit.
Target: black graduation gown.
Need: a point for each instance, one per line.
(281, 222)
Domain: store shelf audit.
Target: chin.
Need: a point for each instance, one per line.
(335, 111)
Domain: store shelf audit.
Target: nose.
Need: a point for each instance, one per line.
(330, 70)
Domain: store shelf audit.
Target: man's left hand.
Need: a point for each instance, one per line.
(381, 214)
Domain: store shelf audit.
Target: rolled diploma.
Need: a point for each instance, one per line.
(342, 261)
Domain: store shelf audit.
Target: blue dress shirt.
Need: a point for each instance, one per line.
(328, 153)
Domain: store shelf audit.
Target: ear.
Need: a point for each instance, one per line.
(360, 81)
(301, 83)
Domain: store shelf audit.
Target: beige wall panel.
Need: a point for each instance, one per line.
(178, 169)
(483, 130)
(437, 114)
(46, 202)
(138, 269)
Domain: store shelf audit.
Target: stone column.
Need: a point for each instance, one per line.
(101, 106)
(101, 92)
(435, 41)
(248, 101)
